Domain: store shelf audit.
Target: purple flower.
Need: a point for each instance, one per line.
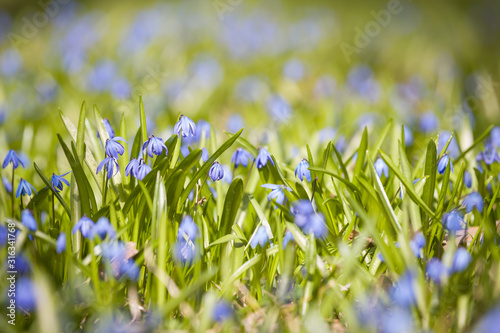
(132, 167)
(287, 238)
(61, 243)
(473, 200)
(241, 156)
(142, 170)
(57, 182)
(102, 228)
(116, 254)
(110, 165)
(13, 158)
(216, 172)
(302, 170)
(24, 188)
(185, 127)
(28, 220)
(235, 123)
(443, 163)
(263, 157)
(453, 221)
(155, 146)
(85, 226)
(435, 270)
(113, 148)
(260, 238)
(381, 167)
(277, 192)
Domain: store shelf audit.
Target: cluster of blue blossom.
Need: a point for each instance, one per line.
(187, 234)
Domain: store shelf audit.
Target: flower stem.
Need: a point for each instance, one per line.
(12, 192)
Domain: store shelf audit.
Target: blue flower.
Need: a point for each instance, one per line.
(7, 184)
(303, 210)
(57, 182)
(417, 244)
(142, 170)
(489, 155)
(85, 226)
(302, 170)
(187, 229)
(132, 166)
(102, 228)
(113, 148)
(28, 220)
(397, 321)
(216, 172)
(278, 108)
(185, 127)
(222, 311)
(263, 157)
(110, 165)
(116, 254)
(461, 260)
(316, 225)
(185, 248)
(287, 238)
(473, 200)
(202, 127)
(467, 179)
(277, 192)
(24, 188)
(228, 175)
(129, 269)
(3, 235)
(403, 292)
(429, 122)
(453, 221)
(381, 167)
(204, 154)
(109, 129)
(241, 156)
(260, 238)
(453, 148)
(25, 294)
(12, 157)
(155, 146)
(294, 70)
(234, 123)
(490, 322)
(61, 243)
(435, 270)
(495, 137)
(443, 163)
(408, 136)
